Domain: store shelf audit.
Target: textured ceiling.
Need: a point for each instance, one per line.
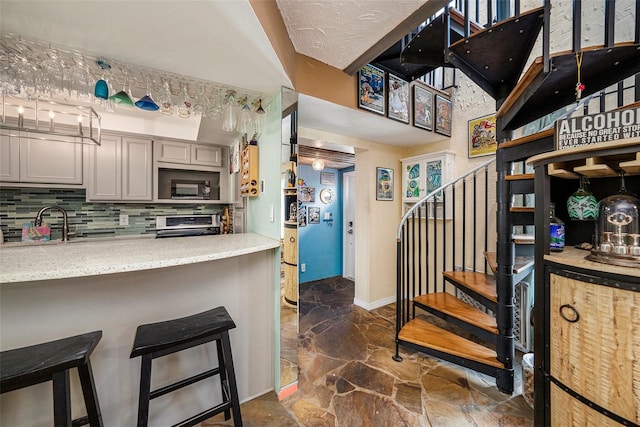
(338, 32)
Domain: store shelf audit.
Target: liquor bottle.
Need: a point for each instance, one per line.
(556, 231)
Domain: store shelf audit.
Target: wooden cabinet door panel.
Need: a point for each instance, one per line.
(206, 155)
(173, 152)
(9, 158)
(595, 343)
(50, 162)
(137, 182)
(105, 182)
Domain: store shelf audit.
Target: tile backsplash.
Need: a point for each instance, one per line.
(86, 219)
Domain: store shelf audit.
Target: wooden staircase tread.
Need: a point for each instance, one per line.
(482, 283)
(520, 177)
(522, 209)
(445, 302)
(420, 332)
(538, 94)
(521, 263)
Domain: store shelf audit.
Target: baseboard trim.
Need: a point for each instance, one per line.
(256, 395)
(288, 391)
(375, 304)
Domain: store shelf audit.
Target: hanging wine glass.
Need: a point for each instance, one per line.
(216, 105)
(165, 101)
(258, 119)
(122, 98)
(201, 103)
(245, 115)
(101, 89)
(81, 80)
(184, 106)
(230, 119)
(146, 102)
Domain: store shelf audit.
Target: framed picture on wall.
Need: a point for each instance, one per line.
(482, 136)
(327, 178)
(398, 99)
(302, 216)
(314, 215)
(443, 115)
(384, 184)
(307, 194)
(422, 107)
(371, 89)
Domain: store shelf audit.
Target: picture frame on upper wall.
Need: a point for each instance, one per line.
(444, 115)
(302, 216)
(384, 184)
(307, 194)
(327, 178)
(314, 215)
(422, 107)
(372, 89)
(482, 136)
(398, 101)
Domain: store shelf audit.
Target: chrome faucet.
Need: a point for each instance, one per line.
(65, 223)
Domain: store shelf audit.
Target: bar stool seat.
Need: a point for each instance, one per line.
(51, 361)
(163, 338)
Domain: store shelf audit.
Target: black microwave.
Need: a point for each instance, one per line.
(179, 184)
(190, 189)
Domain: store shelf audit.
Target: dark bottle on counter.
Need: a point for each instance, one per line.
(556, 231)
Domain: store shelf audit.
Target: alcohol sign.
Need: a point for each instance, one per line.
(595, 128)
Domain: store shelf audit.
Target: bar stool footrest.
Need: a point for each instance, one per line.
(204, 415)
(183, 383)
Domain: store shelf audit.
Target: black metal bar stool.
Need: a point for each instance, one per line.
(51, 361)
(160, 339)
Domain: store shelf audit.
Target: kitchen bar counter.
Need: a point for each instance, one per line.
(90, 257)
(58, 290)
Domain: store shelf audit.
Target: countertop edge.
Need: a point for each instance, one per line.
(257, 243)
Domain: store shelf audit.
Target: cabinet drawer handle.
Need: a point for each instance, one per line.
(573, 315)
(292, 239)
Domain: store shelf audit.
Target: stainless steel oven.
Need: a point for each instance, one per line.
(187, 225)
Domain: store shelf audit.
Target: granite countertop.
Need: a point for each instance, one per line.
(90, 257)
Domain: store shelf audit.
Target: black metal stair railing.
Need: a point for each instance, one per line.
(446, 230)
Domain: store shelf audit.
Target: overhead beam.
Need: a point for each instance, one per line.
(428, 9)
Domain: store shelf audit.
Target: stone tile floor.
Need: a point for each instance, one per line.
(347, 376)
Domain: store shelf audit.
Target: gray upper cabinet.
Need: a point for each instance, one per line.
(120, 170)
(188, 154)
(32, 159)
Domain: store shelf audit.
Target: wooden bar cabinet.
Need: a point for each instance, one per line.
(586, 314)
